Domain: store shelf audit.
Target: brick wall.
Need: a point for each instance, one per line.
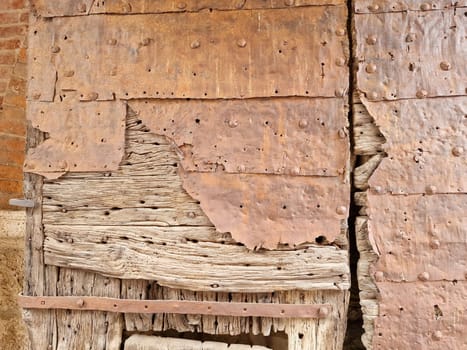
(13, 28)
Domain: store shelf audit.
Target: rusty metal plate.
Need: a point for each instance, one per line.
(223, 54)
(81, 137)
(421, 316)
(264, 211)
(50, 8)
(273, 136)
(411, 54)
(426, 145)
(378, 6)
(419, 236)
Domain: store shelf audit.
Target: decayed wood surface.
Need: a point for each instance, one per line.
(49, 8)
(250, 54)
(135, 232)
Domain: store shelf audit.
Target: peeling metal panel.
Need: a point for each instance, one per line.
(50, 8)
(275, 136)
(411, 54)
(426, 145)
(378, 6)
(264, 211)
(422, 316)
(419, 237)
(223, 54)
(81, 137)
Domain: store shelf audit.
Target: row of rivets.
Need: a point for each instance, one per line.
(423, 7)
(379, 276)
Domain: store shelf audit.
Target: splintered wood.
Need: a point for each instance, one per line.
(411, 234)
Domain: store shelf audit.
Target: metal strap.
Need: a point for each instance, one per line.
(176, 307)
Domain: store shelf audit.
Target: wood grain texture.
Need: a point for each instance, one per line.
(250, 54)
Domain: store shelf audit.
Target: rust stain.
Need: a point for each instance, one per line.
(262, 211)
(223, 54)
(422, 315)
(426, 146)
(273, 136)
(398, 60)
(80, 137)
(50, 8)
(419, 237)
(378, 6)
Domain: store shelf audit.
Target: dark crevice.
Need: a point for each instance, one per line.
(355, 329)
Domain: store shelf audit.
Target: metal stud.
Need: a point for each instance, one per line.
(181, 5)
(55, 49)
(457, 151)
(431, 189)
(82, 8)
(378, 189)
(126, 8)
(191, 215)
(339, 92)
(410, 37)
(424, 276)
(340, 32)
(112, 42)
(92, 96)
(373, 8)
(371, 39)
(36, 96)
(303, 123)
(69, 240)
(422, 93)
(341, 210)
(437, 335)
(435, 244)
(445, 65)
(372, 95)
(295, 171)
(241, 42)
(342, 133)
(340, 61)
(146, 41)
(80, 302)
(69, 73)
(241, 168)
(379, 276)
(233, 123)
(425, 7)
(370, 68)
(195, 44)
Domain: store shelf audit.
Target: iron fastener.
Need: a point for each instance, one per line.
(425, 6)
(371, 39)
(370, 68)
(445, 65)
(341, 210)
(373, 8)
(340, 61)
(340, 32)
(303, 123)
(241, 42)
(195, 44)
(457, 151)
(55, 49)
(430, 189)
(379, 276)
(424, 276)
(421, 94)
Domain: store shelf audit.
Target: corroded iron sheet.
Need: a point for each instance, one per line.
(275, 136)
(50, 8)
(426, 145)
(421, 316)
(411, 54)
(264, 211)
(377, 6)
(81, 137)
(419, 236)
(223, 54)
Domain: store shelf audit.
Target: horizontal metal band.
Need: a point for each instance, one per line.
(175, 307)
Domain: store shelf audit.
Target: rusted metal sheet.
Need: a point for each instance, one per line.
(419, 237)
(426, 143)
(411, 54)
(422, 316)
(378, 6)
(50, 8)
(275, 136)
(264, 211)
(223, 54)
(185, 307)
(81, 137)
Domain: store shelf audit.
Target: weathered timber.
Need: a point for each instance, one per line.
(169, 53)
(363, 172)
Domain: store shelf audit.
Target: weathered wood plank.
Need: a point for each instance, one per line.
(175, 259)
(363, 172)
(246, 45)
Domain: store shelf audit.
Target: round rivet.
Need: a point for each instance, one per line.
(323, 312)
(437, 335)
(191, 215)
(457, 151)
(69, 240)
(80, 302)
(422, 93)
(342, 133)
(241, 42)
(371, 40)
(340, 32)
(430, 189)
(55, 49)
(378, 189)
(289, 2)
(445, 65)
(372, 95)
(126, 8)
(370, 68)
(302, 124)
(373, 7)
(295, 171)
(339, 92)
(241, 168)
(181, 5)
(435, 244)
(340, 61)
(424, 276)
(36, 96)
(410, 37)
(425, 7)
(195, 44)
(146, 41)
(233, 123)
(341, 210)
(92, 96)
(112, 42)
(82, 8)
(379, 276)
(69, 73)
